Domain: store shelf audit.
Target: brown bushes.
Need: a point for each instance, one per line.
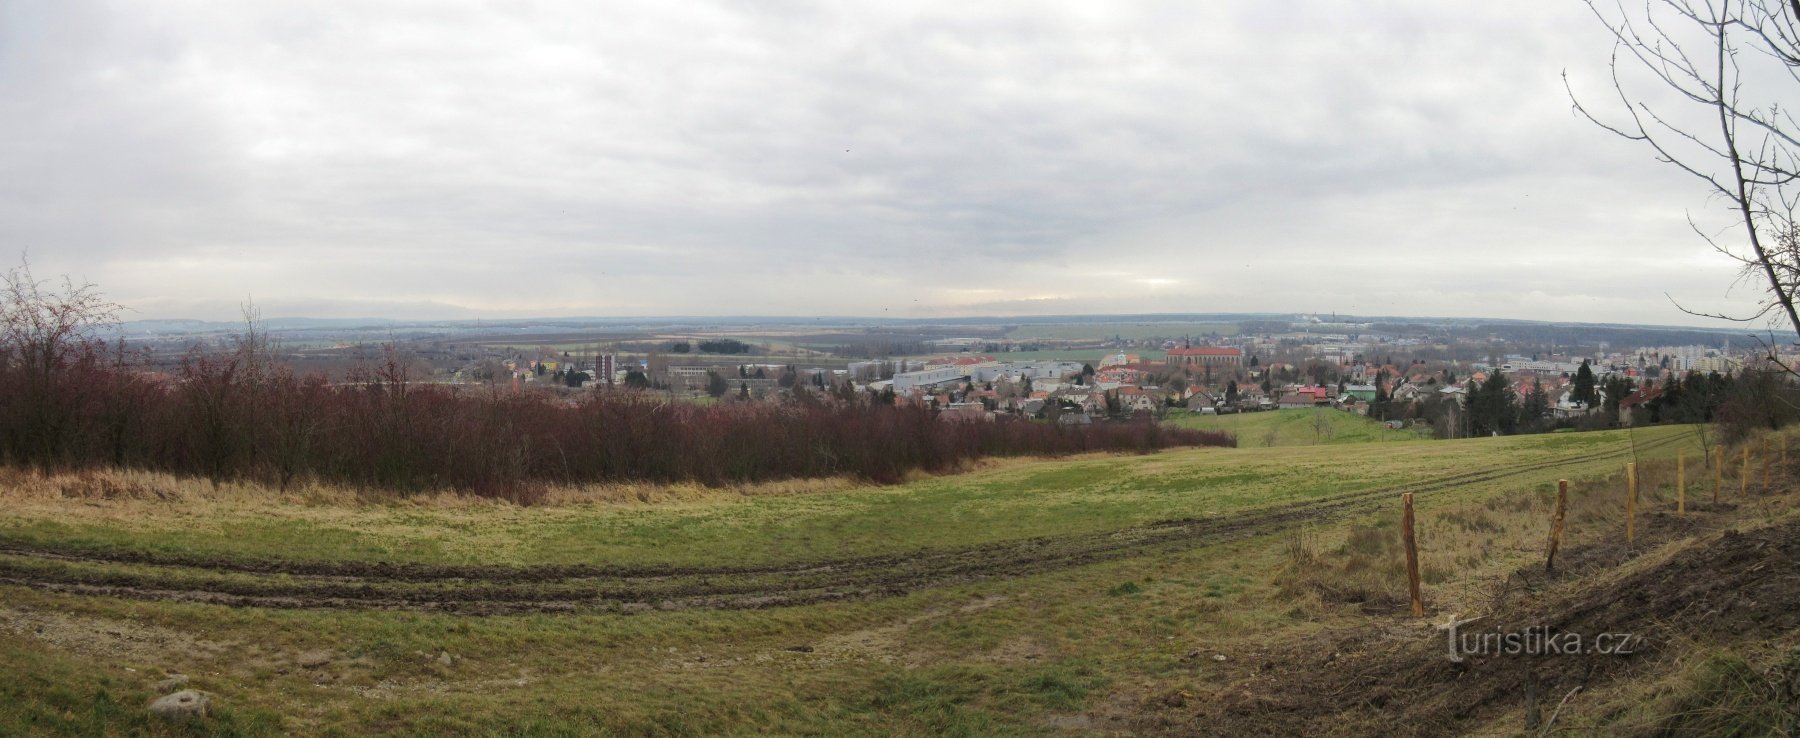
(234, 417)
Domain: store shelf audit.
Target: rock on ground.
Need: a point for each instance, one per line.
(180, 706)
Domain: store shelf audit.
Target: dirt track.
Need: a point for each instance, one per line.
(485, 590)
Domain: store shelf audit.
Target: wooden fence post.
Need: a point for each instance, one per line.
(1744, 473)
(1681, 482)
(1718, 471)
(1412, 556)
(1766, 459)
(1630, 502)
(1556, 527)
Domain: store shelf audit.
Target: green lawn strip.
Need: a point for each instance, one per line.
(995, 657)
(978, 659)
(1294, 427)
(1010, 502)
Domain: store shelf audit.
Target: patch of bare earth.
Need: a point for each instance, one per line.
(1395, 677)
(114, 641)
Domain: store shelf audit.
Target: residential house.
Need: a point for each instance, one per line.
(1200, 356)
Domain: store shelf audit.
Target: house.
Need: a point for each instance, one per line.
(1567, 407)
(964, 412)
(1361, 392)
(1635, 400)
(1134, 399)
(1295, 400)
(1205, 356)
(1200, 400)
(1408, 392)
(1305, 397)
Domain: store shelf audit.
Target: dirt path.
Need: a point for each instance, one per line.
(499, 590)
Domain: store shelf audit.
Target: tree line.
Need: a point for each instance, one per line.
(69, 401)
(1739, 403)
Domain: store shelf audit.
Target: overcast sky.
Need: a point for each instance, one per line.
(439, 159)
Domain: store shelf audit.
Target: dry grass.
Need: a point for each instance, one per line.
(985, 657)
(1470, 549)
(19, 485)
(28, 485)
(25, 485)
(1365, 569)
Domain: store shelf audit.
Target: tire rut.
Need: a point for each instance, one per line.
(493, 590)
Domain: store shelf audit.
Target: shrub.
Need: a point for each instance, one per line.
(237, 416)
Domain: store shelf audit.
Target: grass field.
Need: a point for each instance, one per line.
(1005, 500)
(1295, 427)
(1050, 649)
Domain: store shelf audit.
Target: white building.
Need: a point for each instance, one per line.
(1020, 370)
(909, 381)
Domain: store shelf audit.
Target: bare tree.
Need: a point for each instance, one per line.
(45, 329)
(43, 325)
(1718, 75)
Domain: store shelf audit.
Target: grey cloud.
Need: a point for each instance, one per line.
(921, 159)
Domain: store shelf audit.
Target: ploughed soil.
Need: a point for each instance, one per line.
(484, 590)
(1397, 678)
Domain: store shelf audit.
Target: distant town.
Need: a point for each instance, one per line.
(1405, 374)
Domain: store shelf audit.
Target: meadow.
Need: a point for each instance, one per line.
(1295, 427)
(1099, 641)
(1000, 501)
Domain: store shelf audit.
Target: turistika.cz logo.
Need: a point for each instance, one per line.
(1533, 640)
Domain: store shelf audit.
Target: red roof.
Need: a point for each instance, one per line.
(1206, 351)
(1640, 397)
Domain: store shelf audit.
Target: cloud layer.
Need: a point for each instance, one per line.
(905, 160)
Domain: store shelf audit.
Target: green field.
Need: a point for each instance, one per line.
(1295, 427)
(1010, 500)
(1033, 651)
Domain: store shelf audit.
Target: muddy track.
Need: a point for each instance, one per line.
(500, 590)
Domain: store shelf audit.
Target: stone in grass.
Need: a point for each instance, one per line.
(180, 706)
